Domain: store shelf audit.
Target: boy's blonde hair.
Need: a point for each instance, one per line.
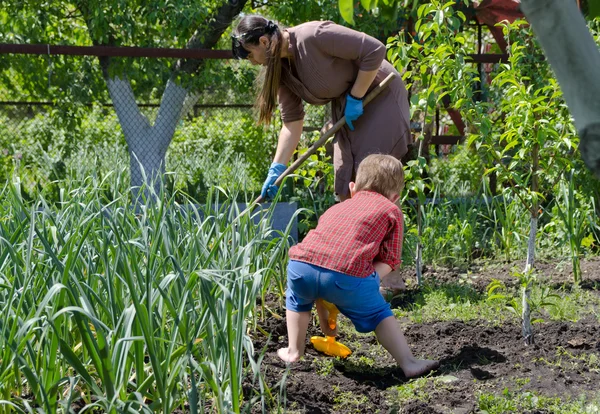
(380, 173)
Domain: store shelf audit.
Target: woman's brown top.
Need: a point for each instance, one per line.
(326, 60)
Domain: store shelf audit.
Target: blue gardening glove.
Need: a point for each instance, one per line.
(269, 190)
(354, 109)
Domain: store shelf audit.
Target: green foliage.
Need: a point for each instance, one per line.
(385, 10)
(534, 130)
(460, 174)
(577, 217)
(523, 134)
(313, 188)
(347, 10)
(514, 402)
(116, 309)
(124, 23)
(213, 149)
(508, 225)
(413, 390)
(434, 58)
(453, 301)
(216, 138)
(527, 281)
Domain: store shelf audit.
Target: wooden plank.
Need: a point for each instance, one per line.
(489, 57)
(445, 139)
(141, 105)
(123, 51)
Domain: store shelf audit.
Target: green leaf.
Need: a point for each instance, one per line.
(588, 241)
(347, 10)
(537, 320)
(367, 4)
(439, 18)
(593, 9)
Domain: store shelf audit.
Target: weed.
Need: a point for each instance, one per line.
(350, 402)
(413, 390)
(324, 366)
(510, 402)
(521, 382)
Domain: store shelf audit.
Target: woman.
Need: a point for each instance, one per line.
(320, 62)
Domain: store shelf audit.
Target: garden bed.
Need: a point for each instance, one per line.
(484, 362)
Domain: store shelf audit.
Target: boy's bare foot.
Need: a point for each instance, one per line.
(287, 356)
(418, 367)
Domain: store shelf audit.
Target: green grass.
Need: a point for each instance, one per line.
(574, 304)
(509, 402)
(417, 389)
(568, 360)
(447, 302)
(324, 366)
(351, 402)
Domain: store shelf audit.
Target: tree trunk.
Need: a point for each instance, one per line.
(573, 54)
(419, 257)
(527, 329)
(419, 253)
(147, 144)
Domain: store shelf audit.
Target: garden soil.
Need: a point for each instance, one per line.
(476, 357)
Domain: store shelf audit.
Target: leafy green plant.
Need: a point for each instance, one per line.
(313, 188)
(508, 228)
(460, 174)
(120, 309)
(496, 290)
(431, 65)
(536, 137)
(576, 216)
(511, 401)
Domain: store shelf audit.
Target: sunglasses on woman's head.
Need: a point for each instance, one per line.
(238, 50)
(236, 42)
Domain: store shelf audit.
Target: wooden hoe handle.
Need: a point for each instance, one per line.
(328, 134)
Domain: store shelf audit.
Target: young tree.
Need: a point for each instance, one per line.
(535, 141)
(573, 54)
(435, 67)
(571, 50)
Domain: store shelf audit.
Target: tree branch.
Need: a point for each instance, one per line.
(208, 37)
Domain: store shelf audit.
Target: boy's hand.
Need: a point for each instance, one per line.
(327, 331)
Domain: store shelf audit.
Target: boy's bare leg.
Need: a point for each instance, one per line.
(297, 326)
(390, 336)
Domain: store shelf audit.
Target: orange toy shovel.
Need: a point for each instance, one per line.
(328, 345)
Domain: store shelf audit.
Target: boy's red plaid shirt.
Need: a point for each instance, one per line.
(353, 234)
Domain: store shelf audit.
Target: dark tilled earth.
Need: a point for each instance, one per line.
(475, 357)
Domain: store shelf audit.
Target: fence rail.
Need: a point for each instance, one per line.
(120, 51)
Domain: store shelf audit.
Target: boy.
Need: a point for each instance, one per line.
(355, 243)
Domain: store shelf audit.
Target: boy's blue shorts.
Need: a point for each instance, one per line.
(356, 298)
